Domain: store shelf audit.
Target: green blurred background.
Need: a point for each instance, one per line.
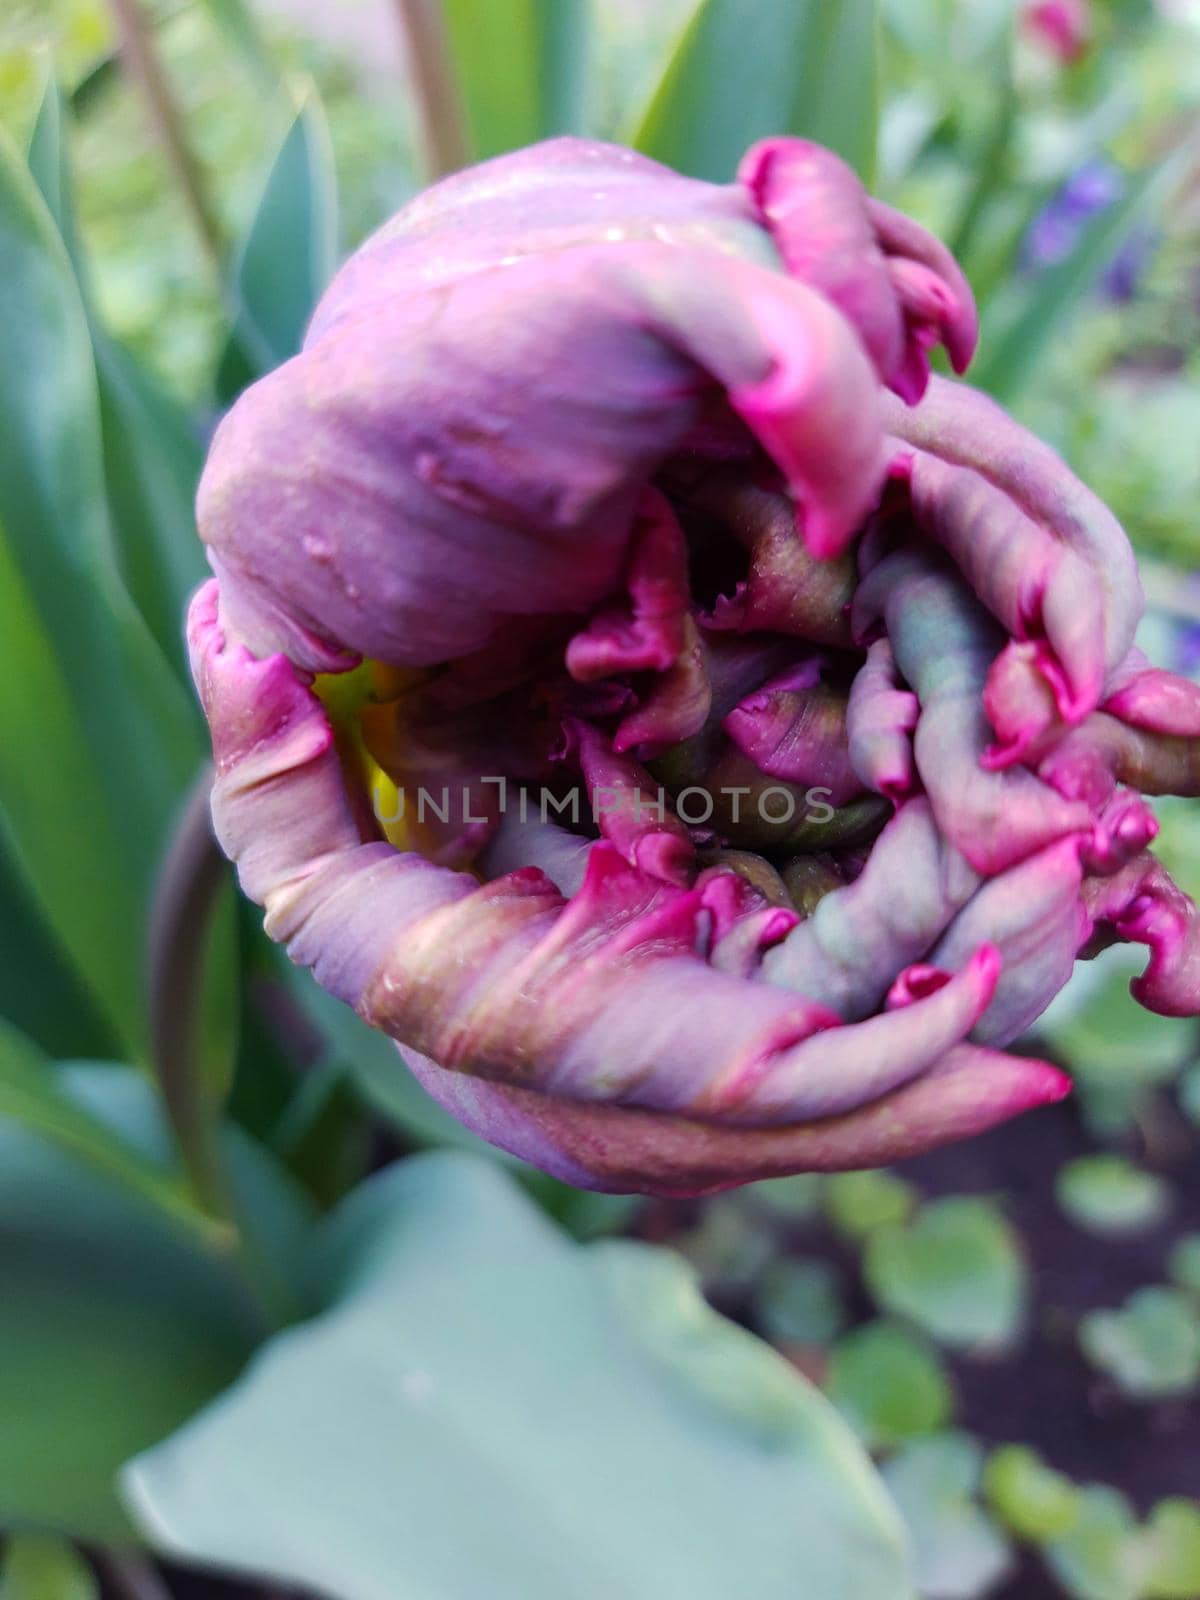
(978, 1377)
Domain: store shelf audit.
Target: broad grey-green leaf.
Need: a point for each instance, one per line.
(489, 1408)
(521, 69)
(32, 1095)
(745, 69)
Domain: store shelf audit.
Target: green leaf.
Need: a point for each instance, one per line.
(889, 1385)
(799, 1302)
(958, 1552)
(114, 1326)
(793, 1199)
(1184, 1263)
(96, 734)
(859, 1202)
(1099, 1557)
(31, 1094)
(1029, 1497)
(1018, 335)
(521, 67)
(40, 991)
(745, 69)
(1172, 1541)
(488, 1408)
(237, 23)
(1109, 1195)
(1150, 1346)
(151, 451)
(955, 1271)
(39, 1568)
(288, 252)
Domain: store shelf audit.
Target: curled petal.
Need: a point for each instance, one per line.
(880, 719)
(895, 283)
(1034, 917)
(795, 729)
(1159, 701)
(786, 589)
(913, 884)
(1045, 556)
(944, 643)
(1106, 750)
(630, 808)
(614, 1149)
(1142, 903)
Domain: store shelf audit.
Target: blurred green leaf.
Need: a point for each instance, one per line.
(745, 69)
(1100, 1556)
(522, 69)
(793, 1199)
(96, 735)
(1185, 1263)
(1018, 335)
(1029, 1497)
(151, 451)
(604, 1431)
(1172, 1544)
(114, 1326)
(955, 1271)
(40, 1568)
(1109, 1195)
(1189, 1094)
(889, 1384)
(958, 1552)
(287, 254)
(1150, 1346)
(799, 1302)
(237, 23)
(30, 1094)
(40, 991)
(859, 1202)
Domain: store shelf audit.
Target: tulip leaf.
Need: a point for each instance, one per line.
(746, 69)
(236, 21)
(32, 1095)
(40, 1568)
(96, 733)
(115, 1325)
(486, 1407)
(287, 254)
(955, 1271)
(151, 451)
(521, 67)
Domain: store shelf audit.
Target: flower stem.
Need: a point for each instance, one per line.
(142, 62)
(441, 119)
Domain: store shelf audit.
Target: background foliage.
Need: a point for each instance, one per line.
(265, 1309)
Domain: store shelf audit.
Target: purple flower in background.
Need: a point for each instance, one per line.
(701, 740)
(1058, 228)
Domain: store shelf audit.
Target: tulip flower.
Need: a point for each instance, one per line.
(699, 738)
